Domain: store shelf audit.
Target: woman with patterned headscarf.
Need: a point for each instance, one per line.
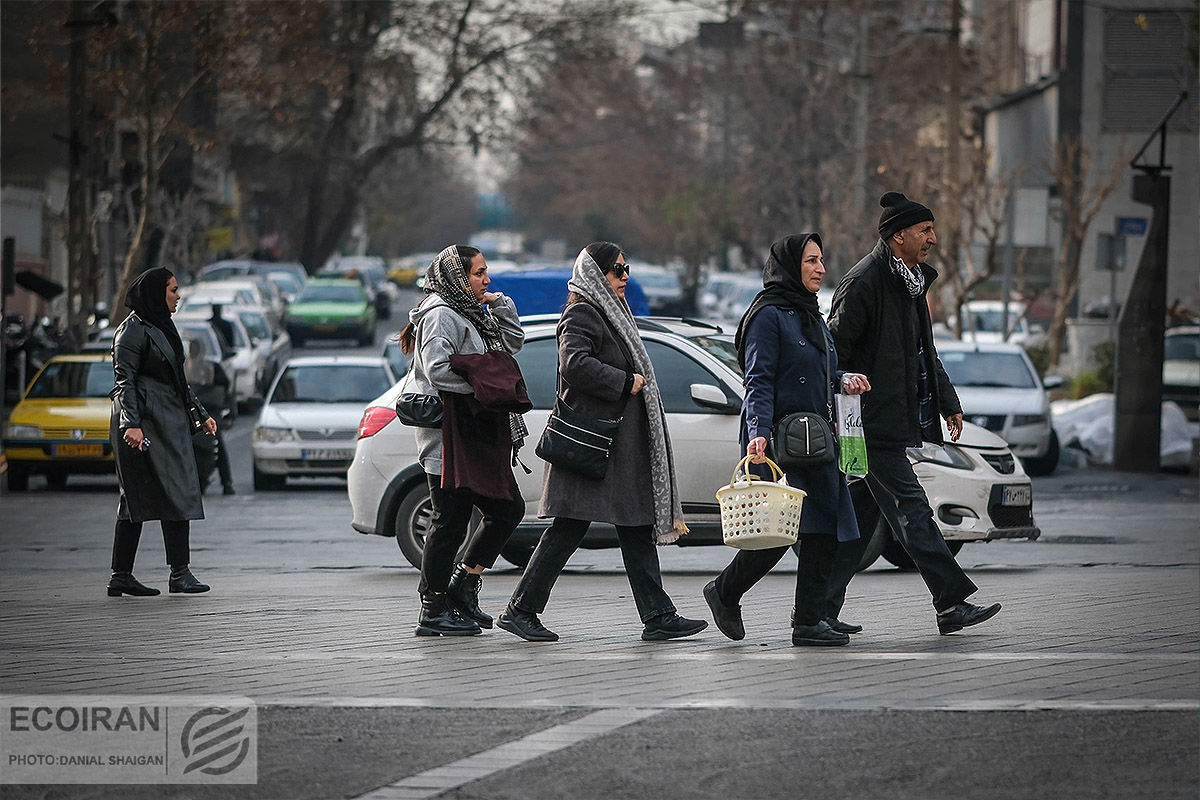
(605, 372)
(459, 316)
(153, 409)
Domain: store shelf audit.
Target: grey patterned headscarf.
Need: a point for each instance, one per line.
(588, 281)
(446, 277)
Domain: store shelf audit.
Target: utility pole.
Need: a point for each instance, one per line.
(953, 134)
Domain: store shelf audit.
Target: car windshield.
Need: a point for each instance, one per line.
(991, 321)
(723, 349)
(327, 383)
(1000, 370)
(1182, 347)
(256, 325)
(331, 294)
(74, 379)
(657, 280)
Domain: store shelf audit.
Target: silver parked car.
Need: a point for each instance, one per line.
(976, 487)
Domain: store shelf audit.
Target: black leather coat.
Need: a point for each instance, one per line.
(875, 323)
(151, 393)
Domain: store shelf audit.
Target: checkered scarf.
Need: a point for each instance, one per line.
(588, 281)
(913, 281)
(446, 277)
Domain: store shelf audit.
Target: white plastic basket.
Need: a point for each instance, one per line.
(757, 514)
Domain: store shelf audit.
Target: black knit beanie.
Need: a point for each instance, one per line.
(899, 212)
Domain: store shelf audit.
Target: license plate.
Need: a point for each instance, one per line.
(326, 455)
(1016, 496)
(326, 328)
(74, 449)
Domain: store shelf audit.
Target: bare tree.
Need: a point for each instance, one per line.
(1082, 186)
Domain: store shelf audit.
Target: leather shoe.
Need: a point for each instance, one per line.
(834, 622)
(964, 615)
(183, 581)
(124, 583)
(819, 635)
(728, 618)
(525, 624)
(843, 627)
(671, 626)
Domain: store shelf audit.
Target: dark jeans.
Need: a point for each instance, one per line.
(562, 538)
(894, 486)
(748, 567)
(451, 516)
(127, 534)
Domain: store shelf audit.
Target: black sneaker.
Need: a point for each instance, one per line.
(819, 635)
(525, 624)
(671, 626)
(964, 615)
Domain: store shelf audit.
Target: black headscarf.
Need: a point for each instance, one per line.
(147, 296)
(784, 287)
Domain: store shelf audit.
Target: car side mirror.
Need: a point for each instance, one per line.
(227, 354)
(1053, 381)
(706, 395)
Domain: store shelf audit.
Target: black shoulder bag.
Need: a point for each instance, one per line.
(805, 438)
(418, 410)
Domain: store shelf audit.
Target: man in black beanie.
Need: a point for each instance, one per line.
(880, 323)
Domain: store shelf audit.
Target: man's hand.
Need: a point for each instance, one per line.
(954, 423)
(757, 450)
(855, 383)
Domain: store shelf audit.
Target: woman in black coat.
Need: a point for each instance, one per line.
(790, 364)
(151, 431)
(606, 373)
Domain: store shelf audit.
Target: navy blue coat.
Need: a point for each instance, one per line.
(784, 374)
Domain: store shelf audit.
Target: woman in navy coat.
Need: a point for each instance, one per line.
(790, 364)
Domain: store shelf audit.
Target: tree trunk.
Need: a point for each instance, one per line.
(1068, 285)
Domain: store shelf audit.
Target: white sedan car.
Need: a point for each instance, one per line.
(977, 488)
(1000, 390)
(309, 419)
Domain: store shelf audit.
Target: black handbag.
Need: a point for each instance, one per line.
(573, 440)
(419, 410)
(806, 438)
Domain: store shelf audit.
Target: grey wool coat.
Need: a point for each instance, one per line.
(151, 393)
(595, 378)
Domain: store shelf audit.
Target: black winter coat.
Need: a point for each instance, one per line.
(159, 482)
(875, 323)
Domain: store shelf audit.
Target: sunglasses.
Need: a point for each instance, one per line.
(620, 270)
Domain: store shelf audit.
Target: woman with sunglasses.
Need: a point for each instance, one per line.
(605, 372)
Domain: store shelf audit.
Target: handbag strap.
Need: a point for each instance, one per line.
(828, 378)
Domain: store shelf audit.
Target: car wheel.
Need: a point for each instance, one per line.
(367, 338)
(881, 536)
(414, 518)
(517, 554)
(266, 482)
(18, 479)
(895, 553)
(298, 341)
(56, 480)
(1046, 464)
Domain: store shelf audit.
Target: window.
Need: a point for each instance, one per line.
(676, 373)
(327, 384)
(999, 370)
(74, 379)
(539, 364)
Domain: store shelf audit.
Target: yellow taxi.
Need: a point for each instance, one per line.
(60, 426)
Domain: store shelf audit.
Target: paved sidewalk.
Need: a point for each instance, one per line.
(1073, 639)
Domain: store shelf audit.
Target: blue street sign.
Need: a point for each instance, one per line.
(1131, 226)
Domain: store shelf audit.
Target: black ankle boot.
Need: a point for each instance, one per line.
(464, 596)
(439, 619)
(124, 583)
(526, 625)
(183, 581)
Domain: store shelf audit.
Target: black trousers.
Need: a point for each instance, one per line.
(451, 516)
(562, 538)
(894, 486)
(127, 535)
(816, 551)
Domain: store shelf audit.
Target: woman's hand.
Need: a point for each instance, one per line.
(757, 450)
(639, 383)
(855, 383)
(133, 437)
(491, 297)
(210, 426)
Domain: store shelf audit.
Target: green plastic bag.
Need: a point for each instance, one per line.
(852, 444)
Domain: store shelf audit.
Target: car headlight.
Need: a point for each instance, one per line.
(1028, 419)
(947, 455)
(273, 435)
(16, 431)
